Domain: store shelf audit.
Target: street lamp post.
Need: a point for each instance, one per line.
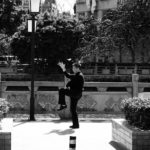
(34, 10)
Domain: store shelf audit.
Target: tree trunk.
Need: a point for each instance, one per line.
(132, 53)
(120, 51)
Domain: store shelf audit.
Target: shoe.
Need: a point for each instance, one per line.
(62, 107)
(74, 127)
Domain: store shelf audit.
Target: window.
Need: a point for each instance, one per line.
(81, 15)
(81, 1)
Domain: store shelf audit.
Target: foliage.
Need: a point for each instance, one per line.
(4, 106)
(5, 48)
(124, 28)
(89, 29)
(137, 21)
(21, 45)
(137, 112)
(10, 19)
(56, 40)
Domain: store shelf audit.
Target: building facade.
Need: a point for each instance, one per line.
(25, 5)
(85, 8)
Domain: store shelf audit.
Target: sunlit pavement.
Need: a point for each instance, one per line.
(55, 135)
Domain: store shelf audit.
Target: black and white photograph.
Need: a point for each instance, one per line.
(74, 74)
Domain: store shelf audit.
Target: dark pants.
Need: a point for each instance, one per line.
(73, 103)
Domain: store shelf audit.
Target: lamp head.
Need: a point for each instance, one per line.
(29, 24)
(35, 6)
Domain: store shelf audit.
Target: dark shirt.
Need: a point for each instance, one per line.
(76, 82)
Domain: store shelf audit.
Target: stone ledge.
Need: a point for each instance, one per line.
(5, 133)
(5, 140)
(130, 138)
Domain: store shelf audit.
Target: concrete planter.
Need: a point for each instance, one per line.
(5, 133)
(130, 138)
(5, 140)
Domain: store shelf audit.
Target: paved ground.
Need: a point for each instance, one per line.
(54, 134)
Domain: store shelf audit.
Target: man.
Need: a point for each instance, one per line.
(74, 91)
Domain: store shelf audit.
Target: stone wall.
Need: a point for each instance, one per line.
(93, 101)
(98, 97)
(46, 102)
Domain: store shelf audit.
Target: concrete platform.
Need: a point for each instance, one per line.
(54, 135)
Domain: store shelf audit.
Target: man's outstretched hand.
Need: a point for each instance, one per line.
(62, 66)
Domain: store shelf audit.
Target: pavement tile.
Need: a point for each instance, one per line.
(54, 134)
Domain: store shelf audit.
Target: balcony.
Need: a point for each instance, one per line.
(81, 1)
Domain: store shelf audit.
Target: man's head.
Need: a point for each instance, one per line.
(76, 67)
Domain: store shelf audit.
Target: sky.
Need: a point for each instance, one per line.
(65, 5)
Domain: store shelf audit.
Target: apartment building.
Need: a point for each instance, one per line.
(85, 8)
(50, 6)
(47, 5)
(25, 5)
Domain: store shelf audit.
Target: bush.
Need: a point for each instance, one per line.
(137, 112)
(4, 106)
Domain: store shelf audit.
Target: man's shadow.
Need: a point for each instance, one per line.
(62, 132)
(117, 145)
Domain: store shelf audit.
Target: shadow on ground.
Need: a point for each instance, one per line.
(95, 121)
(58, 121)
(23, 122)
(41, 120)
(62, 132)
(117, 146)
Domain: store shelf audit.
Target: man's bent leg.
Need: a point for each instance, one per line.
(61, 101)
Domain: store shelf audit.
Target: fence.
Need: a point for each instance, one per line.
(116, 69)
(98, 97)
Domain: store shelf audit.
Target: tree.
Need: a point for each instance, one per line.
(133, 24)
(56, 40)
(5, 48)
(124, 28)
(96, 40)
(10, 18)
(20, 45)
(89, 29)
